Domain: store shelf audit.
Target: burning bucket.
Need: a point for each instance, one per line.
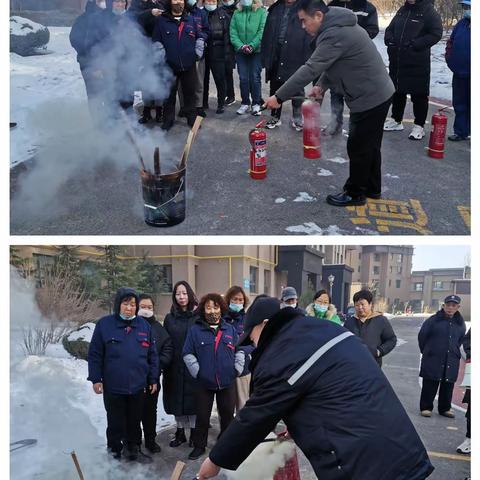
(164, 198)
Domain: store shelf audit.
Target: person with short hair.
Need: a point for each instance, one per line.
(413, 31)
(439, 340)
(123, 366)
(164, 348)
(346, 60)
(212, 360)
(337, 405)
(323, 308)
(372, 327)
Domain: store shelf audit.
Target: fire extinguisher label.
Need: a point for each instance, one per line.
(260, 144)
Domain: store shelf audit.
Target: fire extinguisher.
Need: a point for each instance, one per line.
(311, 129)
(258, 152)
(436, 145)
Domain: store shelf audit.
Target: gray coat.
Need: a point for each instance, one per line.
(347, 61)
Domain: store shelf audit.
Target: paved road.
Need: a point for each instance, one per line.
(421, 195)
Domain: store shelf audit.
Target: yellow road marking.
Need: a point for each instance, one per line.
(450, 456)
(465, 214)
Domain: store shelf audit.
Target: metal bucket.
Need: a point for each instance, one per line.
(164, 198)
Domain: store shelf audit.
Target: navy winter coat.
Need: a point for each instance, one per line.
(439, 340)
(122, 355)
(200, 16)
(458, 52)
(215, 352)
(409, 37)
(366, 13)
(336, 403)
(237, 319)
(179, 387)
(178, 39)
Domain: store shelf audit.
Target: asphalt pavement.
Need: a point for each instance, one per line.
(421, 196)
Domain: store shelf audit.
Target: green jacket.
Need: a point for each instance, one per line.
(246, 28)
(330, 314)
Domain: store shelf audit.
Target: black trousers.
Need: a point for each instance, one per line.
(420, 107)
(149, 417)
(429, 390)
(225, 405)
(124, 413)
(217, 67)
(364, 150)
(188, 81)
(467, 400)
(275, 84)
(230, 92)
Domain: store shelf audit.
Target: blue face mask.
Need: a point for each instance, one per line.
(246, 3)
(467, 14)
(320, 308)
(236, 307)
(123, 317)
(210, 8)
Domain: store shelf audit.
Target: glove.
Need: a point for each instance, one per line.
(199, 48)
(239, 362)
(246, 49)
(158, 53)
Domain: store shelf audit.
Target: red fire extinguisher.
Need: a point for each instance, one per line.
(311, 129)
(291, 470)
(258, 152)
(436, 145)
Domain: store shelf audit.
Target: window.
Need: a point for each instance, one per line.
(163, 280)
(389, 284)
(438, 285)
(400, 258)
(358, 269)
(253, 279)
(463, 288)
(266, 282)
(418, 287)
(312, 281)
(399, 269)
(359, 255)
(376, 257)
(376, 270)
(391, 269)
(398, 283)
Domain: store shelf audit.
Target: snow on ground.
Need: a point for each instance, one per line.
(38, 79)
(304, 197)
(311, 228)
(324, 173)
(20, 26)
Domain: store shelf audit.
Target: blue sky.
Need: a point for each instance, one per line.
(437, 256)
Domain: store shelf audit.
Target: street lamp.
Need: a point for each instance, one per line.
(331, 279)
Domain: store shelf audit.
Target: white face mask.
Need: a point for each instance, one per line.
(145, 313)
(285, 305)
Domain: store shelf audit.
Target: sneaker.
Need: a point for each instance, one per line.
(465, 447)
(426, 413)
(297, 125)
(243, 109)
(230, 101)
(179, 438)
(197, 452)
(392, 125)
(256, 110)
(274, 122)
(417, 133)
(457, 138)
(449, 414)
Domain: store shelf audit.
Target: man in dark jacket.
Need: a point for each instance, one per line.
(176, 35)
(336, 403)
(439, 340)
(458, 57)
(122, 363)
(285, 48)
(230, 6)
(90, 36)
(372, 327)
(346, 60)
(367, 18)
(164, 347)
(219, 53)
(415, 28)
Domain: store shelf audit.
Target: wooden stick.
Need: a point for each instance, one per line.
(77, 465)
(177, 472)
(131, 137)
(190, 139)
(156, 161)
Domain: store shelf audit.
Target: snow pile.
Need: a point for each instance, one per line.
(84, 333)
(27, 37)
(264, 461)
(311, 228)
(280, 200)
(20, 26)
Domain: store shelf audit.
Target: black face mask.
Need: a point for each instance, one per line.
(213, 318)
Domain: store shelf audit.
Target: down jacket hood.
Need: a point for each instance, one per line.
(332, 310)
(338, 17)
(122, 293)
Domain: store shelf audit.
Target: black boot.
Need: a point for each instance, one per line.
(179, 438)
(132, 452)
(197, 452)
(146, 117)
(158, 114)
(152, 446)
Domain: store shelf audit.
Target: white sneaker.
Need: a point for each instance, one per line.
(274, 122)
(243, 109)
(392, 125)
(297, 125)
(256, 110)
(465, 447)
(417, 133)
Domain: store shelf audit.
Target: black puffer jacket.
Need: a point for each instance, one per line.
(163, 343)
(439, 340)
(219, 48)
(295, 50)
(376, 332)
(179, 386)
(366, 13)
(409, 38)
(336, 403)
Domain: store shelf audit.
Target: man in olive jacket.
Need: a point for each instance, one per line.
(346, 60)
(336, 403)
